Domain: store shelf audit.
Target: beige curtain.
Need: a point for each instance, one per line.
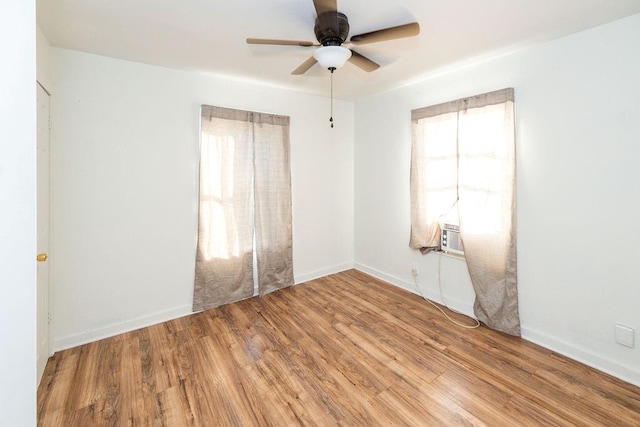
(273, 204)
(480, 130)
(244, 180)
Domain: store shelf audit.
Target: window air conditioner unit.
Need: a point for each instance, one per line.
(450, 239)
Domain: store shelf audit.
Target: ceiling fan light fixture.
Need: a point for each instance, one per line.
(332, 56)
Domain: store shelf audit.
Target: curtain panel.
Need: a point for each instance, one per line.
(273, 217)
(463, 156)
(244, 198)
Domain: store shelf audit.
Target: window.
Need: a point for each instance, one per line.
(463, 165)
(245, 206)
(219, 197)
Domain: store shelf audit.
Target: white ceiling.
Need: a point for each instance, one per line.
(209, 35)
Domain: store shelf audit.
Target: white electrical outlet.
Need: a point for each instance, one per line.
(625, 335)
(414, 269)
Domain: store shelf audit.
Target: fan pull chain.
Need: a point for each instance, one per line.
(332, 69)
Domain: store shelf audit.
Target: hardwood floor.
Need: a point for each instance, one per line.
(346, 349)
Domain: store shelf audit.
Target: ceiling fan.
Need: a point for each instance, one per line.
(332, 29)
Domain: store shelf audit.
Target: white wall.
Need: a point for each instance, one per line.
(578, 149)
(124, 182)
(124, 188)
(17, 213)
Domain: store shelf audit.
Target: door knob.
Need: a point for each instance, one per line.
(41, 257)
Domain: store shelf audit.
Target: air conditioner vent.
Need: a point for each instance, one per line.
(450, 239)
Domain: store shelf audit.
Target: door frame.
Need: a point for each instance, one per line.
(41, 359)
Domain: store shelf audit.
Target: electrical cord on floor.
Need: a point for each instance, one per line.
(415, 282)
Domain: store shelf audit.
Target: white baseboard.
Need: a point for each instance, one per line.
(451, 301)
(582, 355)
(579, 354)
(75, 340)
(69, 341)
(571, 351)
(305, 277)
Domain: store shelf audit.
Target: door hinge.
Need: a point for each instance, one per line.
(50, 123)
(49, 318)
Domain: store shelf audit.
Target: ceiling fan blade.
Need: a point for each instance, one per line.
(305, 66)
(363, 62)
(325, 6)
(281, 42)
(401, 31)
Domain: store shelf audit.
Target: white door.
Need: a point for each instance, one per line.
(42, 144)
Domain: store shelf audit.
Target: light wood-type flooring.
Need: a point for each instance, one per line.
(345, 350)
